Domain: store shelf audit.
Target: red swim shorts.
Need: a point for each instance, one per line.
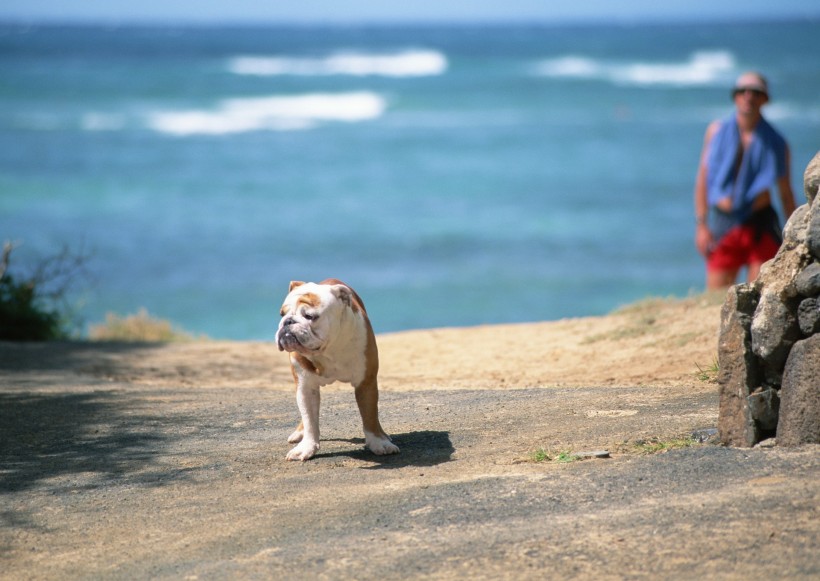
(739, 248)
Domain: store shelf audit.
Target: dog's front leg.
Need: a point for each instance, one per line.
(307, 398)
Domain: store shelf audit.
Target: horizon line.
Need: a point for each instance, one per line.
(109, 22)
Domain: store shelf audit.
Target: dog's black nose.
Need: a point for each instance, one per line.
(288, 321)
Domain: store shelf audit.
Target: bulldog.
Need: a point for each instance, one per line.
(326, 330)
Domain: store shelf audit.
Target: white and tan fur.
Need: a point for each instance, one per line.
(325, 328)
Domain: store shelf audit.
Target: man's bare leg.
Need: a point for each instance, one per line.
(719, 279)
(754, 271)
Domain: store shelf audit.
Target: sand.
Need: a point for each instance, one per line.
(655, 342)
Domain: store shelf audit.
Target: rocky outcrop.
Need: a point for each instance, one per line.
(769, 346)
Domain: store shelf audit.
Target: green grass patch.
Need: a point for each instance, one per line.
(656, 445)
(709, 373)
(544, 455)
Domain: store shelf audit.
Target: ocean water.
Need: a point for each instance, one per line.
(452, 175)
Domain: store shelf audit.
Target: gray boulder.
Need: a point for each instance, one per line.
(811, 178)
(739, 372)
(774, 330)
(797, 228)
(813, 231)
(799, 419)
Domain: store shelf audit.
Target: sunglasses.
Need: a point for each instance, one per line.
(753, 92)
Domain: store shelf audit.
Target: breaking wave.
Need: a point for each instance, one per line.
(702, 68)
(278, 113)
(418, 63)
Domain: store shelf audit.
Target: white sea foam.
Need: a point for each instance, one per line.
(702, 68)
(569, 66)
(102, 122)
(277, 113)
(411, 63)
(787, 111)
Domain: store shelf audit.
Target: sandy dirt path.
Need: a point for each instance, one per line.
(166, 462)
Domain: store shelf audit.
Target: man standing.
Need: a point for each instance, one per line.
(743, 158)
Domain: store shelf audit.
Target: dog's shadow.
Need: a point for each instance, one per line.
(427, 448)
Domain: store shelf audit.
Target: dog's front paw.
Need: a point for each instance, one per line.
(296, 437)
(380, 445)
(305, 450)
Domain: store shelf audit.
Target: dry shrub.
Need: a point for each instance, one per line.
(137, 328)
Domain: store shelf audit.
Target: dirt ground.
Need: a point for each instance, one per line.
(137, 461)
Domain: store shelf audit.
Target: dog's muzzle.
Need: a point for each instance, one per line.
(287, 341)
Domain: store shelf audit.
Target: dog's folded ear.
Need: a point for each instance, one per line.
(294, 284)
(343, 293)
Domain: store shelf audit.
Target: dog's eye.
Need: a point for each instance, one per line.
(310, 316)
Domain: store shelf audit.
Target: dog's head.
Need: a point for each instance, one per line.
(311, 314)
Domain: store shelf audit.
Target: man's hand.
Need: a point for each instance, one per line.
(703, 239)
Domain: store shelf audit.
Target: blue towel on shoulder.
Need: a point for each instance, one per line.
(764, 161)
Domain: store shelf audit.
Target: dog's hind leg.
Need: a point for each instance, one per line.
(367, 397)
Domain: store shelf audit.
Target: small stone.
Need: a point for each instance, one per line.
(808, 316)
(592, 454)
(807, 282)
(705, 435)
(765, 406)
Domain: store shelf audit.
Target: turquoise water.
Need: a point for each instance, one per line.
(453, 176)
